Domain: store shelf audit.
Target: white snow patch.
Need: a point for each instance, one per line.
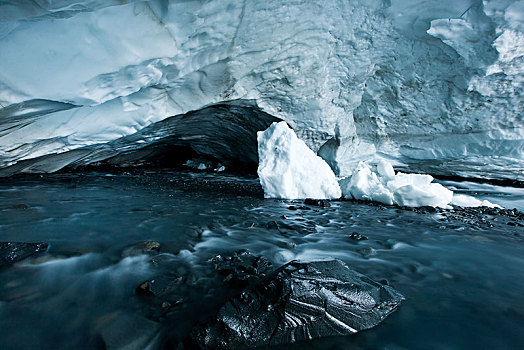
(463, 200)
(412, 190)
(288, 168)
(383, 185)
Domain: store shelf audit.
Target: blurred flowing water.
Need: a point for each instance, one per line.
(463, 283)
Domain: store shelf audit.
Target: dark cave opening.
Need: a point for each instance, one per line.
(222, 134)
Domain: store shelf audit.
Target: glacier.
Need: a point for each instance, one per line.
(433, 86)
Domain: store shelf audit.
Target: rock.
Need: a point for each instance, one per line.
(298, 302)
(166, 288)
(12, 252)
(317, 202)
(241, 268)
(272, 225)
(148, 247)
(357, 236)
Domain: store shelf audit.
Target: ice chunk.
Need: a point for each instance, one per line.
(463, 200)
(290, 169)
(422, 194)
(412, 190)
(365, 185)
(385, 169)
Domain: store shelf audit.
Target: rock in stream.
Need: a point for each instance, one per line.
(298, 301)
(12, 252)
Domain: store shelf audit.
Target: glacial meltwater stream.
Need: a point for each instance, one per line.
(461, 272)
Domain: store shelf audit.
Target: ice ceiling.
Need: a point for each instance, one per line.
(433, 85)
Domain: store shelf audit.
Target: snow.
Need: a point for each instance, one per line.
(463, 200)
(288, 168)
(383, 185)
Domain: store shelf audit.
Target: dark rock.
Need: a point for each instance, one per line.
(298, 302)
(357, 236)
(148, 247)
(145, 288)
(165, 288)
(241, 268)
(324, 203)
(272, 225)
(12, 252)
(513, 223)
(483, 217)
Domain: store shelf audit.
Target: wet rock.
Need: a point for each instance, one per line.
(272, 225)
(241, 268)
(298, 302)
(357, 236)
(513, 223)
(12, 252)
(484, 217)
(300, 207)
(148, 247)
(291, 245)
(166, 287)
(317, 202)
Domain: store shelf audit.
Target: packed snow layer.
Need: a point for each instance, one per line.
(288, 168)
(425, 82)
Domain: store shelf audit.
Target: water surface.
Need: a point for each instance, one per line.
(463, 282)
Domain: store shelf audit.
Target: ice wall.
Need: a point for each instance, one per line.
(437, 84)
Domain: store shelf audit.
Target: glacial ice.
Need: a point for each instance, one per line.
(383, 185)
(432, 84)
(411, 190)
(463, 200)
(288, 168)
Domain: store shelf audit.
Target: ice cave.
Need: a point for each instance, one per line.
(221, 174)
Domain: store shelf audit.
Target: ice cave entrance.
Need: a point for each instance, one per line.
(216, 136)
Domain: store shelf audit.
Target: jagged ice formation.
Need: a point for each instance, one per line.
(432, 85)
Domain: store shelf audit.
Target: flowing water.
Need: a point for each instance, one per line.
(463, 282)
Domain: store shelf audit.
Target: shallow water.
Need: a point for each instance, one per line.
(463, 283)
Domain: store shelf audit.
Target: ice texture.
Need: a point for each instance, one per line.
(383, 185)
(426, 82)
(463, 200)
(288, 168)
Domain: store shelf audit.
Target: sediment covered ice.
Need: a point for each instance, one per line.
(288, 168)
